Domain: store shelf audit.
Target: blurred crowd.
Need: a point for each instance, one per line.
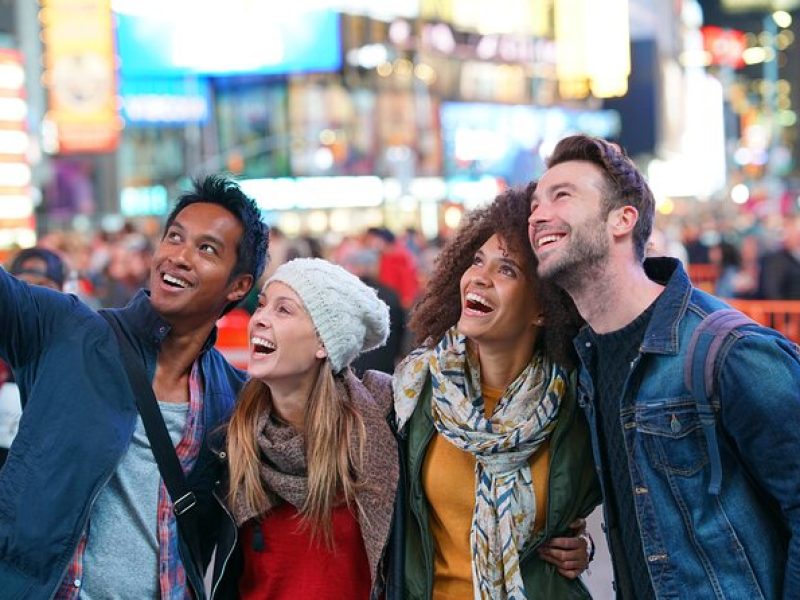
(738, 256)
(741, 256)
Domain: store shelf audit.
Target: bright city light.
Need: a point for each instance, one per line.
(740, 193)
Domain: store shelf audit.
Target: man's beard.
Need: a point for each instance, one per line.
(582, 262)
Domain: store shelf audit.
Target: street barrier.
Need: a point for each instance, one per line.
(782, 315)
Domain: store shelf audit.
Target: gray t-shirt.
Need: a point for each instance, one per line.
(121, 559)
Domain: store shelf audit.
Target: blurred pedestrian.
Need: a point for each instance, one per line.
(780, 270)
(364, 264)
(37, 266)
(397, 268)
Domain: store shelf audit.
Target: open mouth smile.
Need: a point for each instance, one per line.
(262, 346)
(476, 305)
(174, 281)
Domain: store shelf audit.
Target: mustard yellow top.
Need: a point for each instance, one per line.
(448, 478)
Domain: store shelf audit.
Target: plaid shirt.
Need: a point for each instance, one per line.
(171, 574)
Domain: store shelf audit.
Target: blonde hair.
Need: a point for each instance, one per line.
(333, 465)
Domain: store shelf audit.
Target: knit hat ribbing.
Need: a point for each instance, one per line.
(347, 313)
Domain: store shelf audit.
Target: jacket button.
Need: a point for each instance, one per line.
(640, 490)
(223, 455)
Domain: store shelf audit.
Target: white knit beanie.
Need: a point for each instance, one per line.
(347, 313)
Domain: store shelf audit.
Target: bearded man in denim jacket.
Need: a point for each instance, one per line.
(83, 510)
(671, 533)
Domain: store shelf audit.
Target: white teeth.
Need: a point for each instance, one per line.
(175, 280)
(473, 297)
(259, 341)
(546, 239)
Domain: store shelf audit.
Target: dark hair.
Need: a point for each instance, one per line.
(625, 185)
(440, 306)
(55, 270)
(251, 253)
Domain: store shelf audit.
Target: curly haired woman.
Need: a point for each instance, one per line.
(497, 459)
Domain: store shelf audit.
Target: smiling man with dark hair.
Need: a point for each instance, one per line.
(84, 511)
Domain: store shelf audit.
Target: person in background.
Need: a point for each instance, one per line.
(780, 270)
(397, 268)
(696, 505)
(364, 265)
(497, 457)
(37, 266)
(84, 512)
(312, 459)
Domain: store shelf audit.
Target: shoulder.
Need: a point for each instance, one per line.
(379, 385)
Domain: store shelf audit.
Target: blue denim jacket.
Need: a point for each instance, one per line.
(78, 418)
(745, 542)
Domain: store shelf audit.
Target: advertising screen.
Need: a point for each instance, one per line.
(511, 142)
(157, 38)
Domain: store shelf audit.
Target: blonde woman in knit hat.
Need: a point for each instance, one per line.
(312, 460)
(497, 454)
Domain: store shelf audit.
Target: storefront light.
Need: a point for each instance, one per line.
(13, 142)
(452, 216)
(740, 193)
(754, 55)
(786, 118)
(384, 69)
(317, 222)
(593, 47)
(13, 109)
(782, 18)
(16, 175)
(12, 76)
(15, 206)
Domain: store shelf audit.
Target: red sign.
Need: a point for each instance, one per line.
(725, 46)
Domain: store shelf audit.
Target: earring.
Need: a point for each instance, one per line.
(321, 353)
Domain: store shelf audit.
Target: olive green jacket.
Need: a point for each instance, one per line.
(573, 492)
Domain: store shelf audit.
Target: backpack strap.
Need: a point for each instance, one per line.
(700, 375)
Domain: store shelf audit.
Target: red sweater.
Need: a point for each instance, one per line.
(293, 567)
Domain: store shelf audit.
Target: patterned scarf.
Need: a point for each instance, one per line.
(505, 502)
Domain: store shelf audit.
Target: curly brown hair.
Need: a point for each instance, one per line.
(625, 185)
(439, 308)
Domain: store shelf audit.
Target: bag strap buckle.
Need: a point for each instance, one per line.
(184, 503)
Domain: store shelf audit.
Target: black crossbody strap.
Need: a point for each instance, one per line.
(183, 499)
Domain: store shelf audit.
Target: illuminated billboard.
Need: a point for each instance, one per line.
(511, 142)
(199, 37)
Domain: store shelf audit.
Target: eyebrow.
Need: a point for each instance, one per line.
(554, 188)
(206, 237)
(509, 261)
(280, 297)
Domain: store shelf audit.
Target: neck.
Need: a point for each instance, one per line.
(616, 297)
(180, 349)
(501, 366)
(289, 400)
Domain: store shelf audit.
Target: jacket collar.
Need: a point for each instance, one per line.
(140, 316)
(661, 336)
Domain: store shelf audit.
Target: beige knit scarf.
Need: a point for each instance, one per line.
(284, 472)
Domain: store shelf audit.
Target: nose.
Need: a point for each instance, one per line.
(180, 257)
(538, 214)
(479, 277)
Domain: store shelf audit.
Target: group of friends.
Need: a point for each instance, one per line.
(549, 375)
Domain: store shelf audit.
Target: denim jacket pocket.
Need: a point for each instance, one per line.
(672, 435)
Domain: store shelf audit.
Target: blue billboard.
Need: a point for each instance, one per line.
(511, 142)
(173, 38)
